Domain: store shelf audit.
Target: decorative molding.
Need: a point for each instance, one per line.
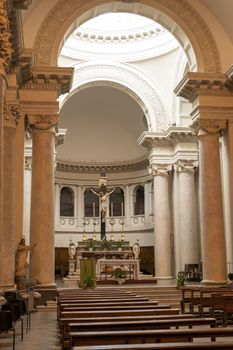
(202, 38)
(42, 121)
(28, 163)
(6, 50)
(205, 84)
(209, 126)
(11, 115)
(159, 169)
(98, 168)
(186, 166)
(139, 86)
(229, 75)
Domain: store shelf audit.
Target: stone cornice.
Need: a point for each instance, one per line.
(50, 78)
(42, 121)
(98, 168)
(169, 138)
(195, 84)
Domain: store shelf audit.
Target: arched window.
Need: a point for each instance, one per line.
(91, 204)
(116, 203)
(66, 202)
(139, 208)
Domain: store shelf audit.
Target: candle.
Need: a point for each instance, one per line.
(94, 210)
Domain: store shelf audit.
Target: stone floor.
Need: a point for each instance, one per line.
(43, 333)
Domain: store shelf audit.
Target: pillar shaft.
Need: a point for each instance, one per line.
(42, 207)
(2, 95)
(187, 215)
(162, 224)
(211, 210)
(11, 115)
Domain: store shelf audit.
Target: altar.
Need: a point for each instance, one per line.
(131, 267)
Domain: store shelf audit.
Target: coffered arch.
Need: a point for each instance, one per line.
(177, 16)
(128, 79)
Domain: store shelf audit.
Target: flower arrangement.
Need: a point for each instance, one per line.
(181, 279)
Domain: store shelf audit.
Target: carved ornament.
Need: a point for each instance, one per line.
(11, 115)
(160, 169)
(43, 121)
(22, 4)
(202, 84)
(5, 45)
(28, 163)
(186, 166)
(210, 126)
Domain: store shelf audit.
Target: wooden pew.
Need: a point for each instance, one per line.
(112, 313)
(163, 346)
(146, 336)
(115, 307)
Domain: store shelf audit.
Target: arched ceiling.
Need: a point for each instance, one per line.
(103, 125)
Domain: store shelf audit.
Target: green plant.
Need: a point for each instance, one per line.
(118, 273)
(119, 243)
(90, 244)
(89, 281)
(181, 279)
(106, 244)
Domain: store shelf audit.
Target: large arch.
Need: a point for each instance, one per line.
(128, 79)
(178, 16)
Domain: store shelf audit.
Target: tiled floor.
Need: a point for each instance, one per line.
(43, 334)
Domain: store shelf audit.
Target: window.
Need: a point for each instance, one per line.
(116, 203)
(91, 202)
(66, 202)
(139, 201)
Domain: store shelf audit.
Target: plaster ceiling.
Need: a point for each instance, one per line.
(103, 125)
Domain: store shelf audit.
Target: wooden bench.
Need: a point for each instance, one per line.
(146, 336)
(165, 346)
(115, 307)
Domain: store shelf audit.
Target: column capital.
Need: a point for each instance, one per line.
(186, 166)
(160, 169)
(42, 121)
(11, 115)
(209, 126)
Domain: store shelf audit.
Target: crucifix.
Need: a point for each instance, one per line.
(103, 194)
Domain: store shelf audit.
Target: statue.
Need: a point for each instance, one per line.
(103, 202)
(136, 249)
(71, 250)
(21, 262)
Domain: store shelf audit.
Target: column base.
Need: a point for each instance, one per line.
(213, 283)
(164, 281)
(47, 292)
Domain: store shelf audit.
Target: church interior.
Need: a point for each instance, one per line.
(116, 168)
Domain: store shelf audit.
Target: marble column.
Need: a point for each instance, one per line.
(147, 202)
(187, 213)
(211, 205)
(11, 116)
(162, 222)
(42, 198)
(57, 204)
(127, 205)
(80, 205)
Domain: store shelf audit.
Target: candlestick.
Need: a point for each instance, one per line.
(94, 210)
(122, 209)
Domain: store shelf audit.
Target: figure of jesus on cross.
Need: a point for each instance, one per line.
(103, 194)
